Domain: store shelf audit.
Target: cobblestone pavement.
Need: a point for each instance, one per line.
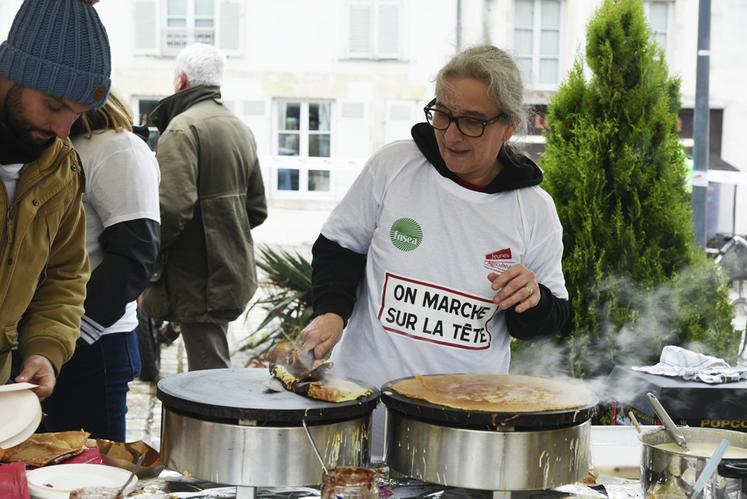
(143, 407)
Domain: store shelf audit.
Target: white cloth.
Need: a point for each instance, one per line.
(425, 303)
(10, 175)
(122, 178)
(693, 366)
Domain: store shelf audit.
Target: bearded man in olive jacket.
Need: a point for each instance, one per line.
(49, 74)
(211, 196)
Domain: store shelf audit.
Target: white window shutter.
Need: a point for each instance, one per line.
(359, 29)
(146, 26)
(388, 30)
(229, 26)
(352, 136)
(400, 118)
(254, 108)
(352, 110)
(400, 111)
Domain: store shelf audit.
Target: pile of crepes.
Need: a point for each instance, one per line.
(42, 449)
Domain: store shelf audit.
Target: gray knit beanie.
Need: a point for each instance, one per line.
(59, 47)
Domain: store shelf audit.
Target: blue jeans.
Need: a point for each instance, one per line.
(91, 390)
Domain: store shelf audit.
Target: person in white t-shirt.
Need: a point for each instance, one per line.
(445, 246)
(122, 239)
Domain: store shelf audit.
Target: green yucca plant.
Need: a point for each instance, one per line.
(286, 300)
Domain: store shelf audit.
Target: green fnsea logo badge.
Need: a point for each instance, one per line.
(406, 234)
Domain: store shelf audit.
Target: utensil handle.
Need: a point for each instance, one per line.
(314, 447)
(635, 421)
(666, 420)
(132, 475)
(709, 468)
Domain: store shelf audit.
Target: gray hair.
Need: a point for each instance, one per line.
(202, 64)
(498, 70)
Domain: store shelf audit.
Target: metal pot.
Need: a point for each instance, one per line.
(668, 473)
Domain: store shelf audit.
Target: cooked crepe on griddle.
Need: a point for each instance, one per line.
(499, 393)
(313, 385)
(337, 390)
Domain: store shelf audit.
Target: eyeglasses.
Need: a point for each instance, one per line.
(469, 126)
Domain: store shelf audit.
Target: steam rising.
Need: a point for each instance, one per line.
(650, 325)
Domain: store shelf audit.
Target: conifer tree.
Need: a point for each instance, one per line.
(617, 173)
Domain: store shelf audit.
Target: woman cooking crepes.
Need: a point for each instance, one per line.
(445, 245)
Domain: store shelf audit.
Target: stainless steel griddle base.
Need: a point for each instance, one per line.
(260, 456)
(487, 460)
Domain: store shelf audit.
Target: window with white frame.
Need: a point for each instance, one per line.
(164, 27)
(658, 15)
(303, 129)
(188, 21)
(374, 30)
(537, 41)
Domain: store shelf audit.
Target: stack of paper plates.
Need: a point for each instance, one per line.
(20, 413)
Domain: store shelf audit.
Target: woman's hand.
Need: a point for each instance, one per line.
(516, 286)
(322, 333)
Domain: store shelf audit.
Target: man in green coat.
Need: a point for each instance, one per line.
(212, 195)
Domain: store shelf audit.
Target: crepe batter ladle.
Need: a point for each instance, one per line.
(675, 432)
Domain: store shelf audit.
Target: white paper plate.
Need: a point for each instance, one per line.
(13, 387)
(54, 482)
(18, 410)
(25, 434)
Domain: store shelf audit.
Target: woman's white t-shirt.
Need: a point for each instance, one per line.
(122, 178)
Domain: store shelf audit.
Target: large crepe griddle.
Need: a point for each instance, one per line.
(484, 419)
(233, 395)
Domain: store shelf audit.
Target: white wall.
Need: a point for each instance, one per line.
(727, 86)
